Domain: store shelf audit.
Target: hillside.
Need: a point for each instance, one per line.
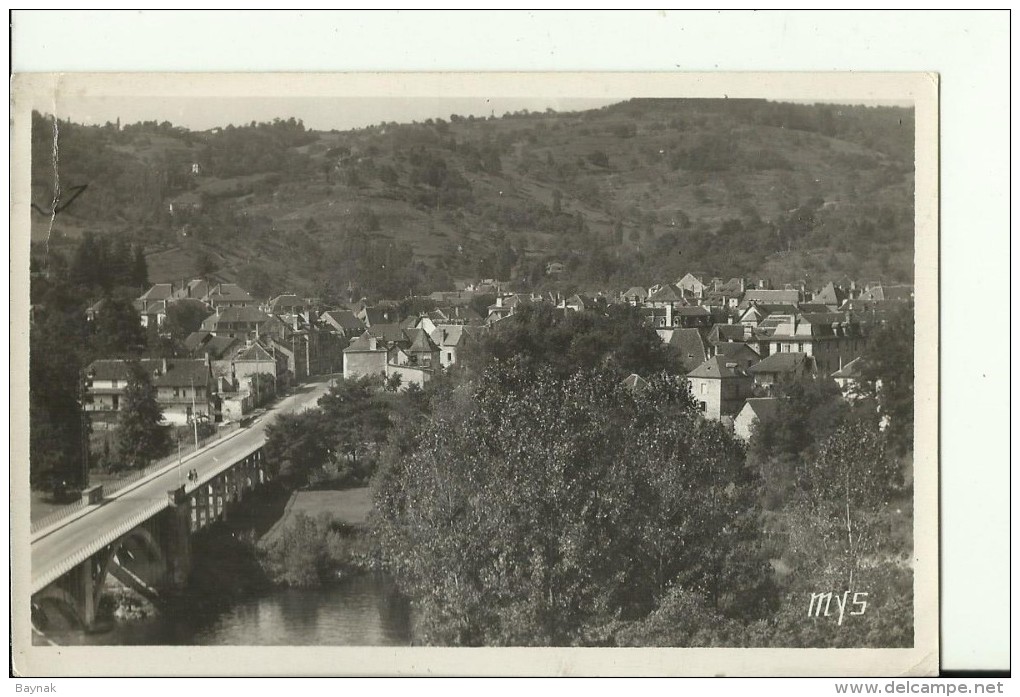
(633, 193)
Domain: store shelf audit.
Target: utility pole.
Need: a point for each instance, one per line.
(194, 413)
(82, 389)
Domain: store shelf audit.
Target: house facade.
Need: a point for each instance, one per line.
(831, 338)
(185, 389)
(719, 387)
(755, 410)
(366, 356)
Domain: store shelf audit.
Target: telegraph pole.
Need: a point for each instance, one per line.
(194, 413)
(83, 417)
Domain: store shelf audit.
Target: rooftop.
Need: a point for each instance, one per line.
(717, 367)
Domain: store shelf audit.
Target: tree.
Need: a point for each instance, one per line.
(541, 509)
(205, 265)
(851, 478)
(139, 268)
(887, 375)
(184, 317)
(809, 409)
(357, 416)
(298, 444)
(617, 337)
(141, 437)
(118, 331)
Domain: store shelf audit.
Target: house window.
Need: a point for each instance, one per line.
(177, 392)
(704, 406)
(113, 383)
(449, 356)
(704, 388)
(116, 402)
(800, 347)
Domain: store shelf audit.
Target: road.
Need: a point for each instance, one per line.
(57, 549)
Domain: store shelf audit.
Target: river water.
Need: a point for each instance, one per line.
(364, 610)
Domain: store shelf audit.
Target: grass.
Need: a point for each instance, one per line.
(350, 507)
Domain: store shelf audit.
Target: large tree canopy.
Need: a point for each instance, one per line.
(141, 436)
(616, 337)
(540, 509)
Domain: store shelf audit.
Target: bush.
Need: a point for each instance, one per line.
(309, 551)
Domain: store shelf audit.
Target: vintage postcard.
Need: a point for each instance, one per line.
(489, 374)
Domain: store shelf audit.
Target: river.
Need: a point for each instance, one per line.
(365, 610)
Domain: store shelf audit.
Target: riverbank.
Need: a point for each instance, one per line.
(349, 507)
(321, 538)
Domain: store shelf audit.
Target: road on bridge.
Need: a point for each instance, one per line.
(54, 546)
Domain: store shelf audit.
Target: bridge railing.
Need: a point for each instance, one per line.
(57, 514)
(120, 484)
(111, 488)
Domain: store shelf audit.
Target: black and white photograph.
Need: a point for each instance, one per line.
(562, 362)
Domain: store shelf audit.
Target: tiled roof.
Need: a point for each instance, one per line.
(782, 363)
(689, 344)
(150, 307)
(420, 341)
(160, 291)
(849, 370)
(195, 340)
(717, 367)
(390, 333)
(196, 289)
(635, 382)
(813, 307)
(789, 297)
(449, 334)
(346, 320)
(736, 350)
(229, 292)
(365, 342)
(380, 315)
(178, 373)
(282, 303)
(255, 352)
(235, 314)
(666, 294)
(725, 332)
(762, 407)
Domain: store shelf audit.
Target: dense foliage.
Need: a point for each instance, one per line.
(141, 437)
(637, 192)
(614, 337)
(542, 509)
(338, 441)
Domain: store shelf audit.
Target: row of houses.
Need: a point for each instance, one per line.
(736, 340)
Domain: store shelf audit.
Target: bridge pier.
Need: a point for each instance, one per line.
(177, 539)
(157, 553)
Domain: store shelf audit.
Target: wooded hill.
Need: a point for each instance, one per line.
(630, 194)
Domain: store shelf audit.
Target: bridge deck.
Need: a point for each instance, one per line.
(58, 549)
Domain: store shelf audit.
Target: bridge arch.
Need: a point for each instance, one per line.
(52, 603)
